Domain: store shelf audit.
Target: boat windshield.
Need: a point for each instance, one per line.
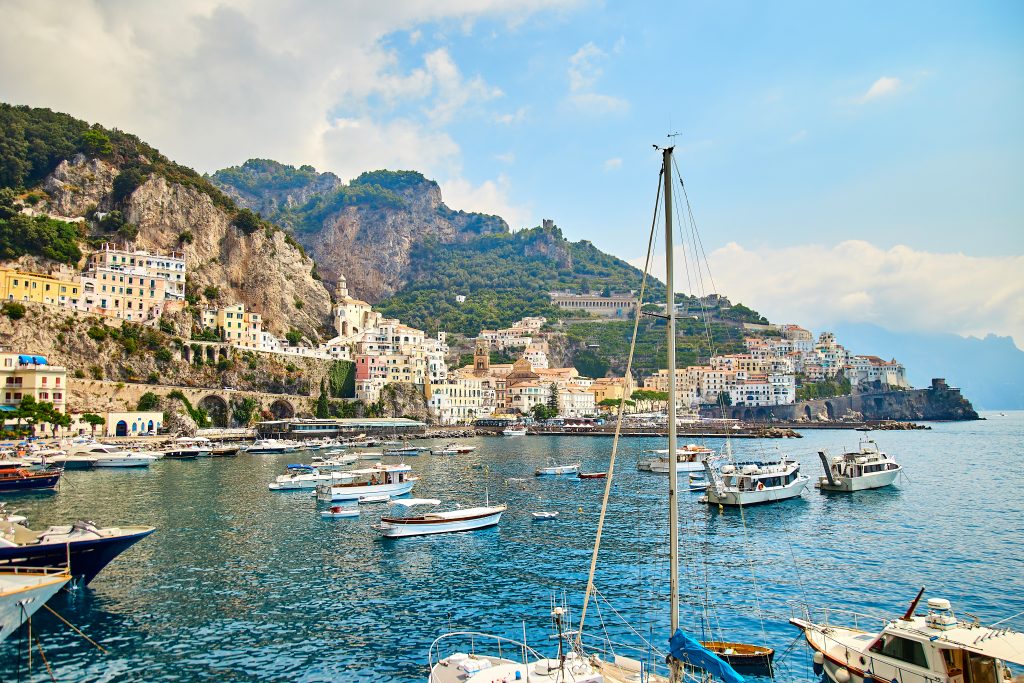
(903, 649)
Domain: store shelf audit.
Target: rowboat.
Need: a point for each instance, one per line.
(557, 470)
(543, 516)
(375, 498)
(592, 475)
(462, 519)
(340, 511)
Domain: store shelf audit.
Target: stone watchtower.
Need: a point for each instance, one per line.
(482, 358)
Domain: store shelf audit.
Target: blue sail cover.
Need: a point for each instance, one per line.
(686, 649)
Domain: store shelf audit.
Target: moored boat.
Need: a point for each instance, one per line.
(689, 458)
(108, 455)
(88, 547)
(270, 447)
(461, 519)
(23, 591)
(592, 475)
(16, 478)
(337, 511)
(915, 648)
(865, 468)
(189, 448)
(514, 431)
(743, 657)
(394, 480)
(555, 470)
(753, 483)
(404, 449)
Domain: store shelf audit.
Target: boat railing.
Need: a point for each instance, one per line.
(652, 662)
(35, 571)
(504, 648)
(831, 616)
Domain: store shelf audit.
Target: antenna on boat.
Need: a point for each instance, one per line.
(913, 606)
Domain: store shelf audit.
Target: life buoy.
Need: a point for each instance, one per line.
(760, 486)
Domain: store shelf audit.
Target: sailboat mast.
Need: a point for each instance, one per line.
(673, 508)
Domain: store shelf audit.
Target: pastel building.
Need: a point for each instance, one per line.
(20, 286)
(24, 374)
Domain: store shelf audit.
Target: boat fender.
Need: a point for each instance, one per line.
(819, 661)
(842, 676)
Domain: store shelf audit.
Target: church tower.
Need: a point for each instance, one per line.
(341, 291)
(482, 358)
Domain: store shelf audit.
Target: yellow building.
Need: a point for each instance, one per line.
(16, 285)
(24, 374)
(614, 388)
(235, 325)
(129, 294)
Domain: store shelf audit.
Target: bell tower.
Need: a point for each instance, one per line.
(482, 357)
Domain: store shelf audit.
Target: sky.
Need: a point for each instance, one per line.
(846, 162)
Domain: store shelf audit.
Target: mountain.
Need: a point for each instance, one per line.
(398, 245)
(990, 371)
(90, 184)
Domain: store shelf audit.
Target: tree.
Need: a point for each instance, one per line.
(553, 399)
(96, 143)
(323, 406)
(247, 221)
(243, 412)
(293, 336)
(14, 310)
(148, 401)
(93, 420)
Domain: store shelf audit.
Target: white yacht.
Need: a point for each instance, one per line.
(689, 458)
(394, 480)
(514, 431)
(333, 462)
(866, 468)
(107, 455)
(752, 483)
(187, 448)
(932, 648)
(23, 590)
(270, 447)
(460, 519)
(307, 479)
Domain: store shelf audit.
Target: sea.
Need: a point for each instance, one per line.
(239, 583)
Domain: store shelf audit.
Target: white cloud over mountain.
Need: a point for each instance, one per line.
(900, 288)
(213, 83)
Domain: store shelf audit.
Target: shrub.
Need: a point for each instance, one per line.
(299, 303)
(166, 325)
(164, 356)
(14, 310)
(211, 293)
(153, 378)
(96, 371)
(224, 365)
(148, 401)
(78, 374)
(247, 221)
(97, 332)
(293, 336)
(185, 237)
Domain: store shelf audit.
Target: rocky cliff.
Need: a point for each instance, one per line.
(365, 231)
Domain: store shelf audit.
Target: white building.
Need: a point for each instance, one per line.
(576, 401)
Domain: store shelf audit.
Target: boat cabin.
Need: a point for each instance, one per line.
(750, 476)
(373, 476)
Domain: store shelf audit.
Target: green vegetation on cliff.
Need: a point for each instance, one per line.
(37, 235)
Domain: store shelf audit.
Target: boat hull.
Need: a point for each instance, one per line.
(875, 480)
(338, 493)
(658, 467)
(21, 597)
(744, 658)
(137, 461)
(88, 556)
(757, 497)
(393, 529)
(34, 482)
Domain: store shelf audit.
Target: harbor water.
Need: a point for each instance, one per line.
(240, 583)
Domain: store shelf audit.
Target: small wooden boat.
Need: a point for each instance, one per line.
(340, 511)
(544, 516)
(592, 475)
(15, 478)
(460, 519)
(745, 658)
(555, 470)
(376, 498)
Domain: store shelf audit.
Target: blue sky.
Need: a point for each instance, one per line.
(847, 162)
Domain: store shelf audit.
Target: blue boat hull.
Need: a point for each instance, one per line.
(88, 557)
(29, 483)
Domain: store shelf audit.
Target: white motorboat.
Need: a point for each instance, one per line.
(333, 462)
(544, 516)
(929, 648)
(188, 448)
(514, 431)
(23, 590)
(369, 455)
(340, 511)
(305, 479)
(453, 449)
(752, 483)
(107, 455)
(270, 447)
(404, 449)
(461, 519)
(865, 468)
(689, 458)
(375, 498)
(555, 470)
(394, 480)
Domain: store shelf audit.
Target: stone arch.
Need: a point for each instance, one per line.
(807, 413)
(222, 353)
(149, 427)
(762, 414)
(830, 410)
(211, 353)
(747, 415)
(282, 409)
(121, 428)
(217, 408)
(186, 353)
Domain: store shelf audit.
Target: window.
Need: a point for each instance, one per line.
(903, 649)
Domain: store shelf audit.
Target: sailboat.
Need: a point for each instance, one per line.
(577, 662)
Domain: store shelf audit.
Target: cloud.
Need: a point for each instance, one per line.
(506, 157)
(901, 289)
(886, 85)
(612, 164)
(584, 72)
(489, 197)
(797, 136)
(518, 116)
(212, 84)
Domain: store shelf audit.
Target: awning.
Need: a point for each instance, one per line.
(8, 409)
(40, 360)
(26, 359)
